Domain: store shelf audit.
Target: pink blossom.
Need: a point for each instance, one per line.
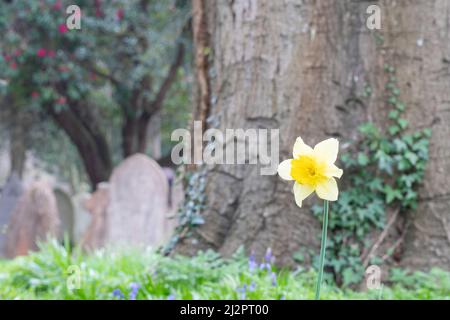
(120, 13)
(62, 28)
(63, 68)
(41, 53)
(57, 5)
(98, 8)
(17, 53)
(13, 65)
(61, 100)
(35, 94)
(7, 57)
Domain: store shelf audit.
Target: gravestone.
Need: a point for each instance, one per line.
(96, 204)
(9, 197)
(66, 214)
(82, 217)
(34, 218)
(138, 206)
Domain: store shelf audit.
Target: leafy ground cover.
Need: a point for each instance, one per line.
(129, 273)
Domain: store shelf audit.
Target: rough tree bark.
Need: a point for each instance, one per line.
(19, 122)
(16, 122)
(17, 147)
(300, 66)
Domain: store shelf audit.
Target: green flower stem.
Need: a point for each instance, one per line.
(323, 246)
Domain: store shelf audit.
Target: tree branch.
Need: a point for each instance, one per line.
(89, 67)
(156, 104)
(96, 159)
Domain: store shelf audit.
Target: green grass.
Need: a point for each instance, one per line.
(44, 275)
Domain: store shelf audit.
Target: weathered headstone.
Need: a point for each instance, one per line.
(82, 217)
(66, 214)
(138, 208)
(96, 205)
(34, 218)
(9, 197)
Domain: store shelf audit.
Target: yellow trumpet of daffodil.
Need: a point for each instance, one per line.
(313, 169)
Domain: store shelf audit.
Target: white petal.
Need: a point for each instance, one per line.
(301, 148)
(328, 190)
(284, 170)
(333, 171)
(301, 191)
(327, 150)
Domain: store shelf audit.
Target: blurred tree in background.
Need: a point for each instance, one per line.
(105, 86)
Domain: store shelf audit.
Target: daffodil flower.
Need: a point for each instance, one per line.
(313, 169)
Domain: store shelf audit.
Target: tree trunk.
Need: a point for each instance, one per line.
(153, 136)
(90, 142)
(139, 116)
(301, 67)
(422, 57)
(128, 136)
(136, 135)
(18, 141)
(17, 151)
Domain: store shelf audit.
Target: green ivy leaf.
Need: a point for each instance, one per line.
(350, 276)
(408, 180)
(403, 165)
(384, 161)
(369, 129)
(376, 184)
(403, 123)
(400, 145)
(409, 140)
(412, 157)
(392, 100)
(197, 220)
(393, 130)
(427, 132)
(363, 159)
(393, 114)
(391, 194)
(400, 106)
